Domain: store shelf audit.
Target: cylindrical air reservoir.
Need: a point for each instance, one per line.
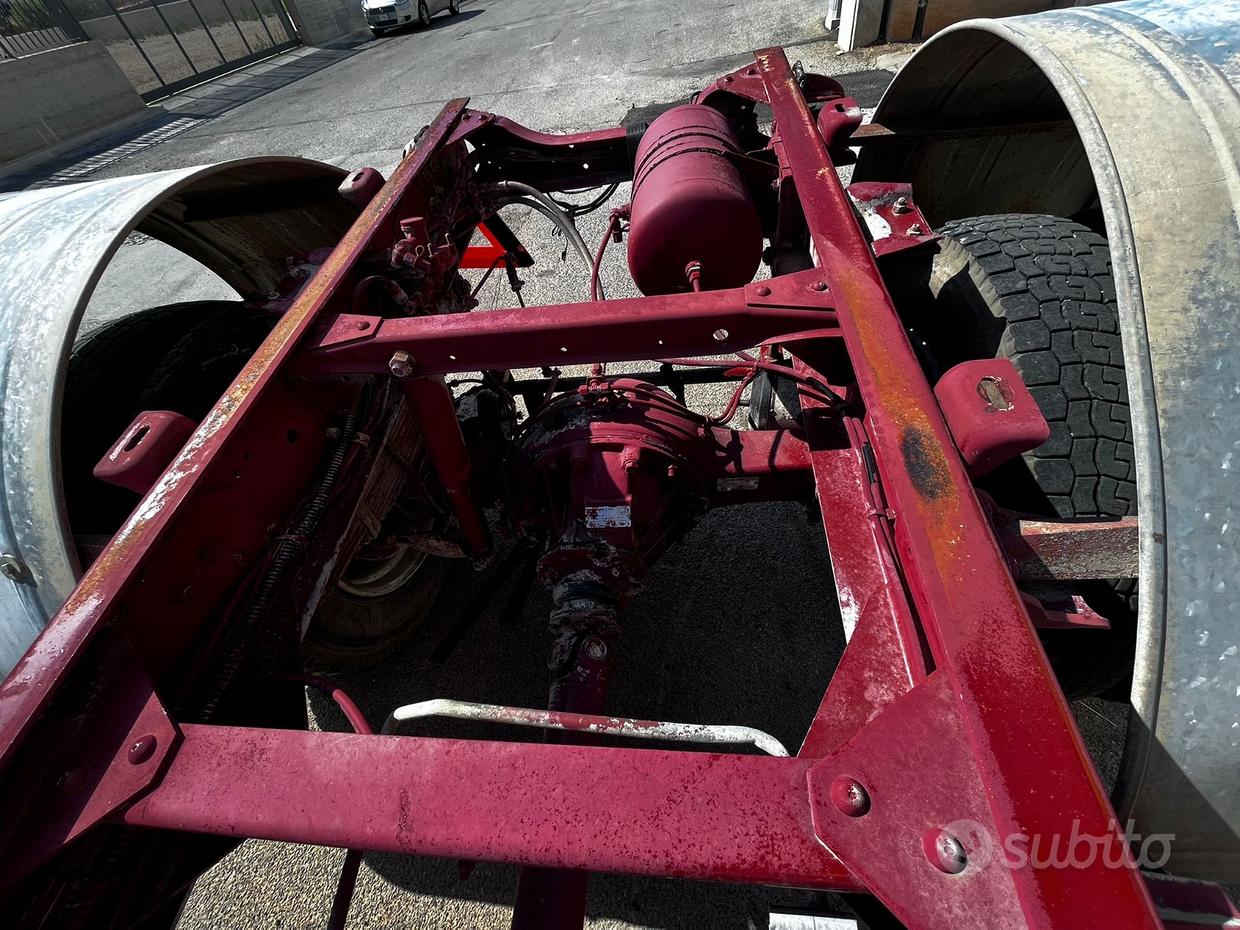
(691, 204)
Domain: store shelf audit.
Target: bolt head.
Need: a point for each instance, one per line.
(901, 205)
(401, 364)
(141, 749)
(850, 796)
(915, 230)
(11, 567)
(945, 852)
(819, 286)
(762, 291)
(596, 649)
(71, 781)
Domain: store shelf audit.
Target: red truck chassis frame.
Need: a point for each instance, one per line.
(943, 710)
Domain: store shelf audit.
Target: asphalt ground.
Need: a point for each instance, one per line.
(737, 623)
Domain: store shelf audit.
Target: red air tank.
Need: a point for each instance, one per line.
(690, 204)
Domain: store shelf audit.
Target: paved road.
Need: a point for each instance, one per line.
(737, 624)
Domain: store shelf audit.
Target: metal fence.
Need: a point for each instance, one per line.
(28, 26)
(164, 46)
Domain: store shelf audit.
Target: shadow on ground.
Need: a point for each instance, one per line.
(737, 624)
(438, 22)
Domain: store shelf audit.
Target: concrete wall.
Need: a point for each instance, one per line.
(319, 22)
(52, 97)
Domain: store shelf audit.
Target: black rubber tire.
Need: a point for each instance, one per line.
(197, 369)
(1038, 290)
(350, 632)
(424, 15)
(347, 631)
(376, 32)
(454, 7)
(107, 372)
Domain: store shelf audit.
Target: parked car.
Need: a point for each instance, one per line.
(382, 15)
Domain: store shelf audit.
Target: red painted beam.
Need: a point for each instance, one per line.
(708, 323)
(682, 814)
(1011, 709)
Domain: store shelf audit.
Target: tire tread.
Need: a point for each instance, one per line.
(1039, 291)
(1062, 334)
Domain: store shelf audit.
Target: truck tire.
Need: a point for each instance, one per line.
(197, 368)
(107, 372)
(372, 612)
(1038, 290)
(354, 630)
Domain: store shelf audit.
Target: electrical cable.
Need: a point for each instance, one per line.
(519, 192)
(811, 386)
(581, 209)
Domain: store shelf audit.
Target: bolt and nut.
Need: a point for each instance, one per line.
(596, 649)
(141, 749)
(915, 229)
(946, 852)
(71, 781)
(850, 796)
(11, 567)
(401, 364)
(901, 205)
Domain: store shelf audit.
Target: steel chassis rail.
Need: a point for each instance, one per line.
(943, 725)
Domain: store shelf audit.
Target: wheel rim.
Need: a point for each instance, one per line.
(424, 16)
(380, 577)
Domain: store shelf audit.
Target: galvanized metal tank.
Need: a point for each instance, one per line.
(1130, 108)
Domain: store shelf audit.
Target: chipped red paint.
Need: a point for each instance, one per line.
(42, 669)
(940, 700)
(1047, 551)
(621, 810)
(145, 450)
(617, 330)
(977, 627)
(990, 413)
